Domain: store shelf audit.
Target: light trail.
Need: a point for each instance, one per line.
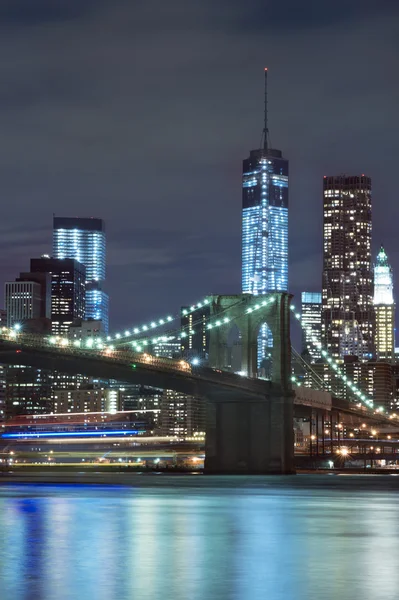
(68, 434)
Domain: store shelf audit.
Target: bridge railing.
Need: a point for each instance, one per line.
(129, 358)
(121, 356)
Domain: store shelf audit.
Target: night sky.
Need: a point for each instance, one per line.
(141, 113)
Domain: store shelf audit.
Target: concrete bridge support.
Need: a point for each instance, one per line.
(250, 436)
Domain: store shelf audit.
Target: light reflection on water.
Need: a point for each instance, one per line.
(215, 538)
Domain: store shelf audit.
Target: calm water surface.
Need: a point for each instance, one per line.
(189, 538)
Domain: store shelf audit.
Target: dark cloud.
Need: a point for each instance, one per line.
(289, 15)
(141, 113)
(24, 12)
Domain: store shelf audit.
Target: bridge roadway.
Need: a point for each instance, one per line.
(130, 367)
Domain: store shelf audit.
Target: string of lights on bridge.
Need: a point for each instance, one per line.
(99, 344)
(217, 322)
(332, 362)
(336, 367)
(155, 324)
(140, 345)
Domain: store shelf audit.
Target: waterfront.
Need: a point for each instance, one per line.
(195, 537)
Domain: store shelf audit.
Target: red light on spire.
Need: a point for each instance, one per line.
(265, 68)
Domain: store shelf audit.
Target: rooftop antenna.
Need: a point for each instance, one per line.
(265, 128)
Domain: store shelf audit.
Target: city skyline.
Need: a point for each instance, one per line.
(151, 241)
(199, 261)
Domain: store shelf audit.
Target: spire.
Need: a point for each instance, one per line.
(382, 258)
(265, 128)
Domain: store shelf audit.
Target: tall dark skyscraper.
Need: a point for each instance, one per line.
(265, 223)
(68, 289)
(84, 240)
(348, 313)
(195, 335)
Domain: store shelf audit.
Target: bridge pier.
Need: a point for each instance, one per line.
(250, 436)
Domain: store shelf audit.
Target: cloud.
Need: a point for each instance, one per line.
(22, 13)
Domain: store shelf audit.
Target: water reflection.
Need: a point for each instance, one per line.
(211, 540)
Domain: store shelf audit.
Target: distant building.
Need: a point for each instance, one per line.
(83, 330)
(182, 415)
(348, 314)
(28, 391)
(44, 280)
(68, 289)
(376, 379)
(84, 240)
(23, 300)
(384, 308)
(87, 399)
(311, 324)
(195, 334)
(144, 400)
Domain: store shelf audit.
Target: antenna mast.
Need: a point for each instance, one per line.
(265, 128)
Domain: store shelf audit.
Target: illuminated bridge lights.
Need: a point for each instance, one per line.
(333, 363)
(135, 330)
(252, 309)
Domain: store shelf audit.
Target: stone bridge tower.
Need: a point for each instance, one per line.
(250, 312)
(252, 435)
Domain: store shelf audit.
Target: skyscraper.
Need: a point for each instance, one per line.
(23, 300)
(195, 334)
(311, 322)
(348, 313)
(67, 290)
(265, 224)
(85, 241)
(384, 308)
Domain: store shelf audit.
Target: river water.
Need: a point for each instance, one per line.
(194, 537)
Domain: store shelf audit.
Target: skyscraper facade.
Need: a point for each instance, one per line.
(23, 300)
(311, 324)
(265, 224)
(68, 290)
(384, 308)
(84, 240)
(348, 312)
(28, 391)
(195, 334)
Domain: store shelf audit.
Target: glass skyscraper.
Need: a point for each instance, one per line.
(265, 222)
(265, 225)
(83, 239)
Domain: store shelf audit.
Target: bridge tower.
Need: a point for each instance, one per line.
(249, 313)
(252, 435)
